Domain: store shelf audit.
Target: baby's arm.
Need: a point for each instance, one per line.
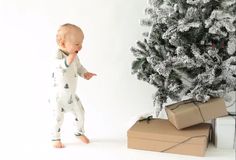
(83, 72)
(63, 63)
(80, 68)
(71, 58)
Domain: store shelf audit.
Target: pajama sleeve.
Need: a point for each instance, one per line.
(60, 62)
(80, 69)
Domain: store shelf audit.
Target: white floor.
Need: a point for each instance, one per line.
(25, 134)
(99, 148)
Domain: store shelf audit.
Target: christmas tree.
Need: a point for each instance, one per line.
(190, 49)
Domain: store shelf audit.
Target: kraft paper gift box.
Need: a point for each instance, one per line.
(224, 132)
(188, 113)
(160, 135)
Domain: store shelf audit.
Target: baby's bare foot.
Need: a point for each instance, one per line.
(84, 139)
(58, 144)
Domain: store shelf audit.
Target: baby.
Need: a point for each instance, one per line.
(66, 69)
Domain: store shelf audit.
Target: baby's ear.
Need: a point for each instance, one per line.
(62, 43)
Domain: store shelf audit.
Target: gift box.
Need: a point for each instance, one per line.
(230, 100)
(224, 132)
(188, 113)
(160, 135)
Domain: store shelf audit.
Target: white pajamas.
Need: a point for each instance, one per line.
(63, 97)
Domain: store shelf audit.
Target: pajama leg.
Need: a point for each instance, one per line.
(78, 111)
(58, 120)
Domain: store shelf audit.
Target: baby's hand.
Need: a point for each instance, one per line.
(89, 75)
(71, 58)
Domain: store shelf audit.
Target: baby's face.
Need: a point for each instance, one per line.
(73, 42)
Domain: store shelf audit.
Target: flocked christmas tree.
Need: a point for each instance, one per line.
(190, 49)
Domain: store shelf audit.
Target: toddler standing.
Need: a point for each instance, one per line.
(66, 69)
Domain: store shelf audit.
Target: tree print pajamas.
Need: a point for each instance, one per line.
(63, 97)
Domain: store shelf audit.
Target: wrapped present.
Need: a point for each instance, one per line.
(160, 135)
(188, 113)
(230, 102)
(224, 135)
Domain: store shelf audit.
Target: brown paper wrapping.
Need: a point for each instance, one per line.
(160, 135)
(188, 113)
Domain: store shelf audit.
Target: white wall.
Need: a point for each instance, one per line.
(27, 41)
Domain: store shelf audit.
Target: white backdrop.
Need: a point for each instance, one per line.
(111, 100)
(27, 41)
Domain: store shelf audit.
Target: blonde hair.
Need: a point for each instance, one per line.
(64, 30)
